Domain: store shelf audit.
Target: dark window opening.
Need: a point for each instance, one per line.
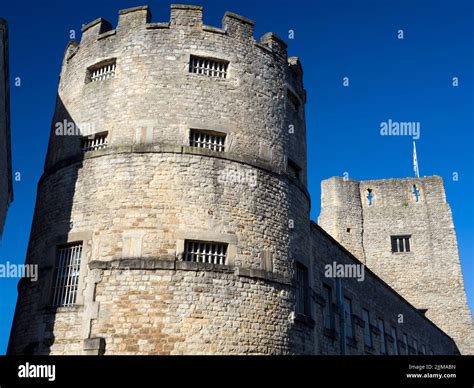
(213, 141)
(293, 100)
(205, 252)
(328, 311)
(302, 290)
(349, 322)
(293, 169)
(416, 193)
(210, 67)
(401, 243)
(95, 142)
(101, 71)
(370, 197)
(66, 274)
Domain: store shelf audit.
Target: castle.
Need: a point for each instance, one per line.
(6, 187)
(178, 221)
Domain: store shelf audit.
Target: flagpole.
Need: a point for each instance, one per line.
(415, 161)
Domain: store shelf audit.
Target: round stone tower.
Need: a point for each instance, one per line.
(173, 215)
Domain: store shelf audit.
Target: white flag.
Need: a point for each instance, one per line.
(415, 162)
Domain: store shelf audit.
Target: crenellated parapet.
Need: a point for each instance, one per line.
(186, 17)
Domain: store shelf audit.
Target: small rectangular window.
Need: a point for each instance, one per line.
(66, 278)
(293, 100)
(405, 342)
(383, 339)
(210, 67)
(206, 139)
(328, 311)
(302, 289)
(205, 252)
(101, 71)
(293, 169)
(395, 341)
(367, 332)
(400, 243)
(415, 345)
(95, 142)
(348, 318)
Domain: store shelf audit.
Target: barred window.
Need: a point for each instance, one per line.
(66, 278)
(101, 71)
(328, 311)
(95, 142)
(206, 66)
(205, 252)
(205, 139)
(400, 243)
(302, 290)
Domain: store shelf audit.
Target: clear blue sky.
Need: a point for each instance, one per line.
(402, 80)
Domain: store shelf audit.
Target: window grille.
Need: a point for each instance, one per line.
(203, 139)
(102, 72)
(400, 243)
(66, 279)
(95, 142)
(210, 67)
(302, 290)
(205, 252)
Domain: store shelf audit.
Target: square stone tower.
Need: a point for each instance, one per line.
(403, 230)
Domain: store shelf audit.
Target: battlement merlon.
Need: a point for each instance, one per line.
(182, 16)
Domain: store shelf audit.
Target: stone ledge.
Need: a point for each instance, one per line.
(134, 264)
(187, 6)
(169, 263)
(213, 29)
(106, 34)
(157, 26)
(133, 9)
(263, 275)
(239, 17)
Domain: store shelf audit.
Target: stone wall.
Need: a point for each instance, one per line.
(377, 297)
(6, 190)
(430, 275)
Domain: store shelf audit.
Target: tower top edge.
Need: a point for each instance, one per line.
(182, 16)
